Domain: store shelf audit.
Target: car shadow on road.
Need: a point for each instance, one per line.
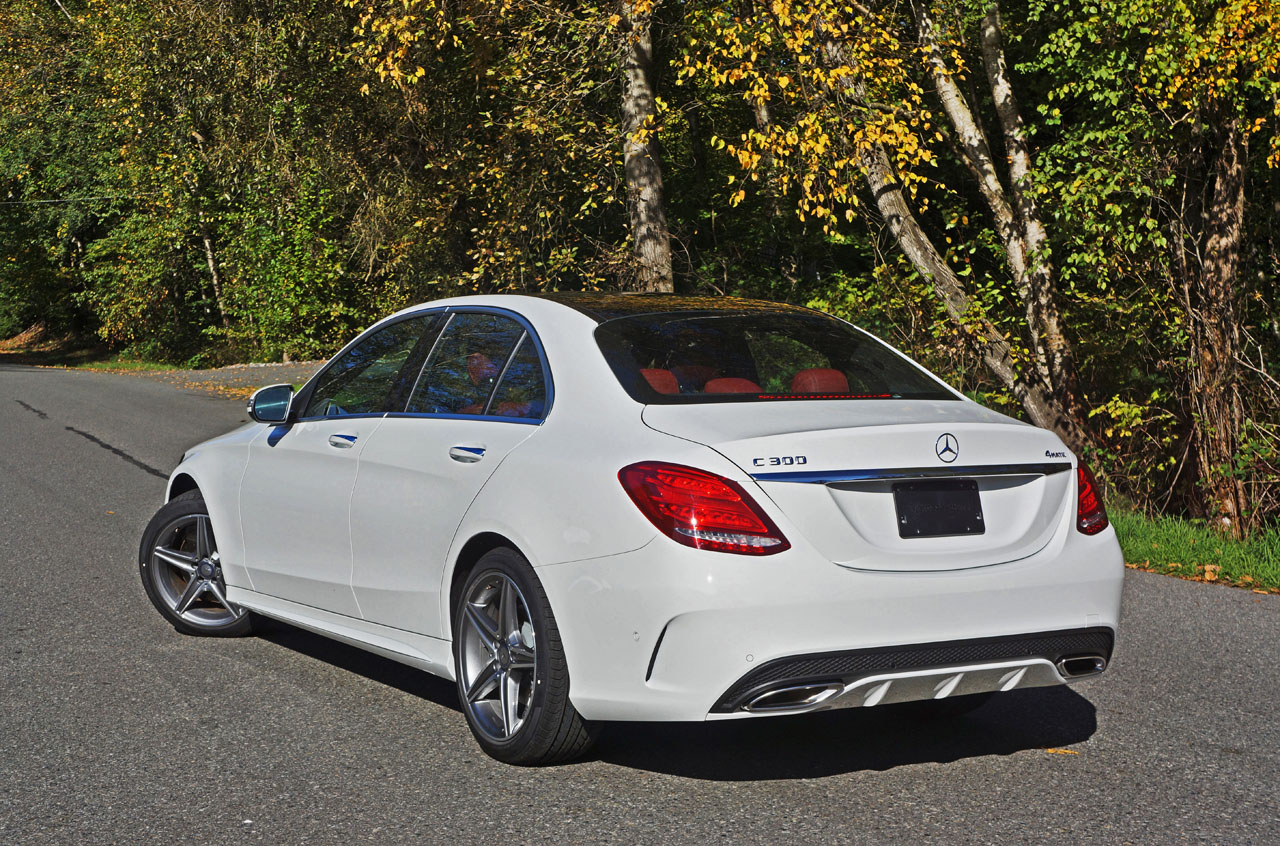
(835, 742)
(404, 678)
(807, 746)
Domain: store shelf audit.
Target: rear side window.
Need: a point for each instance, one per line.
(464, 368)
(523, 390)
(697, 357)
(360, 380)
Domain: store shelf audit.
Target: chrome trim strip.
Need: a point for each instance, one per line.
(827, 477)
(488, 418)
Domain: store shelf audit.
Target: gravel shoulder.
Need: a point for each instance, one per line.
(236, 381)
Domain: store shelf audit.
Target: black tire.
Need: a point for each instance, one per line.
(179, 539)
(547, 728)
(942, 709)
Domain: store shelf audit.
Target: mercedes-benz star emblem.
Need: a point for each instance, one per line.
(947, 447)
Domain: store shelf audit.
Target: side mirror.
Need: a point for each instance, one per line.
(271, 405)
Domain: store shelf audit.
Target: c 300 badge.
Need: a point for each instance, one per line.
(780, 461)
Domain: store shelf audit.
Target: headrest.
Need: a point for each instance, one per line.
(480, 368)
(731, 385)
(819, 380)
(662, 381)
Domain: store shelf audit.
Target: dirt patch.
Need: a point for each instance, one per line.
(236, 381)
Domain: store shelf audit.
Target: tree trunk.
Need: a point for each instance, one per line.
(1053, 349)
(1032, 390)
(646, 205)
(207, 239)
(1215, 387)
(1041, 405)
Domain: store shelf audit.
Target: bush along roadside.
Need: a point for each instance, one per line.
(1189, 551)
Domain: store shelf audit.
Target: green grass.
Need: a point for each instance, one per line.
(1180, 548)
(118, 362)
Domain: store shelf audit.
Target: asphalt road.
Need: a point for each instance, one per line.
(116, 729)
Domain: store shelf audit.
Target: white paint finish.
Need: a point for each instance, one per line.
(427, 653)
(294, 509)
(409, 498)
(718, 610)
(216, 466)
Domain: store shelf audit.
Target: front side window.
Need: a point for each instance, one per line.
(466, 365)
(360, 381)
(684, 357)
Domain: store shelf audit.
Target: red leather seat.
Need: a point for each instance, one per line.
(662, 381)
(512, 409)
(819, 380)
(731, 385)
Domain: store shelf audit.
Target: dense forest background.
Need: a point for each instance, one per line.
(1069, 209)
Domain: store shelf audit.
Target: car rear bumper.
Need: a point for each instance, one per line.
(671, 633)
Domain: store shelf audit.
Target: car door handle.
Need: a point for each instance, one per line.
(342, 441)
(466, 454)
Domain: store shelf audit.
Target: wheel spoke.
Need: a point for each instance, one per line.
(483, 625)
(195, 587)
(483, 683)
(522, 657)
(508, 613)
(204, 537)
(215, 589)
(506, 703)
(178, 560)
(510, 702)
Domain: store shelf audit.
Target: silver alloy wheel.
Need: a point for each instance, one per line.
(187, 573)
(497, 656)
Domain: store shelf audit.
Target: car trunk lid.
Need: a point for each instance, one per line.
(892, 484)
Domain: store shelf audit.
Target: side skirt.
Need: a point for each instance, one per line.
(426, 653)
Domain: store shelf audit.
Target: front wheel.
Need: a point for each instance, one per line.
(182, 571)
(513, 680)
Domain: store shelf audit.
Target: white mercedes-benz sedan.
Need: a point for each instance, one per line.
(588, 508)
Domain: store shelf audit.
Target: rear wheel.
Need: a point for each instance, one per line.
(182, 571)
(513, 680)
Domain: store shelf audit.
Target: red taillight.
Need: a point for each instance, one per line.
(701, 509)
(1091, 517)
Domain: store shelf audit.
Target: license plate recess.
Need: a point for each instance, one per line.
(932, 508)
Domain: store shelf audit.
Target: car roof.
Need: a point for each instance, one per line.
(603, 307)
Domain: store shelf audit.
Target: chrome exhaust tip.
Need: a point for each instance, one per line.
(792, 698)
(1079, 666)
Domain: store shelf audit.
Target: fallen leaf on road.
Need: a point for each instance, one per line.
(1062, 752)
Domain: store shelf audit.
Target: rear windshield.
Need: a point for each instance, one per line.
(684, 357)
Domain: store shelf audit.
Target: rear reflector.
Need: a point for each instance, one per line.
(701, 509)
(1091, 516)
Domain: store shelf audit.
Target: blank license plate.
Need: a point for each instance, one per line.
(932, 508)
